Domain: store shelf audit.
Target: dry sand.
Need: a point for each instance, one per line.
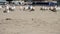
(25, 22)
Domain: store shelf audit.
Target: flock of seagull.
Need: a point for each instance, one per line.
(9, 8)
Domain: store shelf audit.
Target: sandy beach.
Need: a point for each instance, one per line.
(30, 22)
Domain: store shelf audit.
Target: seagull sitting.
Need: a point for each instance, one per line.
(26, 8)
(57, 8)
(12, 8)
(43, 8)
(6, 11)
(31, 8)
(52, 9)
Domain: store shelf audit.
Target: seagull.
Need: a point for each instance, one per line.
(52, 9)
(57, 8)
(6, 11)
(26, 8)
(31, 8)
(12, 8)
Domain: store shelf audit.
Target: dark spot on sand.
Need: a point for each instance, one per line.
(0, 23)
(5, 11)
(32, 19)
(8, 19)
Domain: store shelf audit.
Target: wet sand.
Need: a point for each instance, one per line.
(26, 22)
